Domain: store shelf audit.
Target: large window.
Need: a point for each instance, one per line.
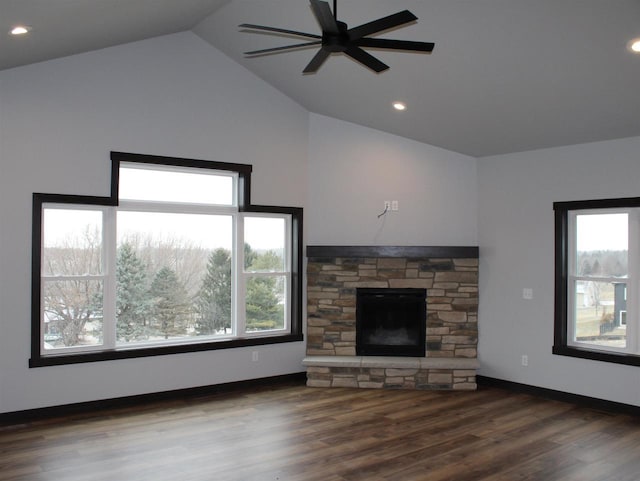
(176, 260)
(597, 272)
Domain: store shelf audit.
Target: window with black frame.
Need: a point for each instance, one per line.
(597, 263)
(175, 260)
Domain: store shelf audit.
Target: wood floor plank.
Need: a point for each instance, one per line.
(294, 433)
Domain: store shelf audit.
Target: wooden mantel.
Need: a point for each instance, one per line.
(459, 252)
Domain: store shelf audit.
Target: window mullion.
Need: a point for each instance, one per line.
(82, 277)
(633, 289)
(571, 309)
(109, 269)
(175, 207)
(287, 305)
(239, 279)
(572, 279)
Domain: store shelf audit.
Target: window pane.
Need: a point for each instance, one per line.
(264, 247)
(72, 313)
(171, 185)
(602, 245)
(265, 303)
(72, 241)
(600, 313)
(173, 276)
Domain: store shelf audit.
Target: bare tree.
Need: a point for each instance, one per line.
(71, 300)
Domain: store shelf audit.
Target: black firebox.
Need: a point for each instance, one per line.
(391, 322)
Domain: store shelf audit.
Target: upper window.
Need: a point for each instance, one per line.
(176, 260)
(174, 184)
(597, 272)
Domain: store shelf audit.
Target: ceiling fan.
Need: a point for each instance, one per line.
(336, 37)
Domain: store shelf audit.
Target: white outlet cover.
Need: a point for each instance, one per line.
(527, 293)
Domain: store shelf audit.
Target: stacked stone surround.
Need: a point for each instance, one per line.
(450, 276)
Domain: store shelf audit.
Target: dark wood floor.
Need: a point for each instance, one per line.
(291, 432)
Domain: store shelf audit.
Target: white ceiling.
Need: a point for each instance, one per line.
(505, 75)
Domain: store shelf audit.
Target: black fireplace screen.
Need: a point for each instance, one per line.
(391, 322)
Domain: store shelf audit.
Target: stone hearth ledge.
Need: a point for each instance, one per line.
(392, 372)
(391, 362)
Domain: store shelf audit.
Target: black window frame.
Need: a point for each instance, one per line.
(561, 256)
(244, 206)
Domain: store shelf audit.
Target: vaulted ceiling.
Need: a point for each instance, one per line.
(505, 75)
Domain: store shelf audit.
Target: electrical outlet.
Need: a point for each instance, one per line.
(394, 205)
(255, 356)
(525, 360)
(527, 293)
(387, 205)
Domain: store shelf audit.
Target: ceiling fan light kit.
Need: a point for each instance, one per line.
(338, 38)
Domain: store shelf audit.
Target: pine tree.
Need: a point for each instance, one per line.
(132, 297)
(214, 298)
(249, 256)
(263, 309)
(170, 304)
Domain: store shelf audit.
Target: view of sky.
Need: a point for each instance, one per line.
(602, 232)
(169, 185)
(206, 231)
(68, 227)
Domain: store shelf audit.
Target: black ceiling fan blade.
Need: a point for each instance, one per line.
(426, 47)
(281, 49)
(381, 24)
(278, 30)
(366, 59)
(325, 18)
(317, 61)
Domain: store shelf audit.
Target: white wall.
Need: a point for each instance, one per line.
(354, 169)
(516, 239)
(174, 96)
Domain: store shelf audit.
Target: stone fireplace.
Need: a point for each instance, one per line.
(448, 276)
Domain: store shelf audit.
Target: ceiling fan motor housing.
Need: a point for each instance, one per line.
(336, 42)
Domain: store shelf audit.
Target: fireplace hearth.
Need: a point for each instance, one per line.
(390, 322)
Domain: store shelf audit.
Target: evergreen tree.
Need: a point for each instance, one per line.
(249, 256)
(586, 268)
(214, 298)
(263, 309)
(132, 297)
(170, 304)
(268, 261)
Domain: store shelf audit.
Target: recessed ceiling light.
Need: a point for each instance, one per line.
(20, 30)
(634, 45)
(399, 106)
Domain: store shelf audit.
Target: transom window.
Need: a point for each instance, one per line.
(176, 260)
(597, 272)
